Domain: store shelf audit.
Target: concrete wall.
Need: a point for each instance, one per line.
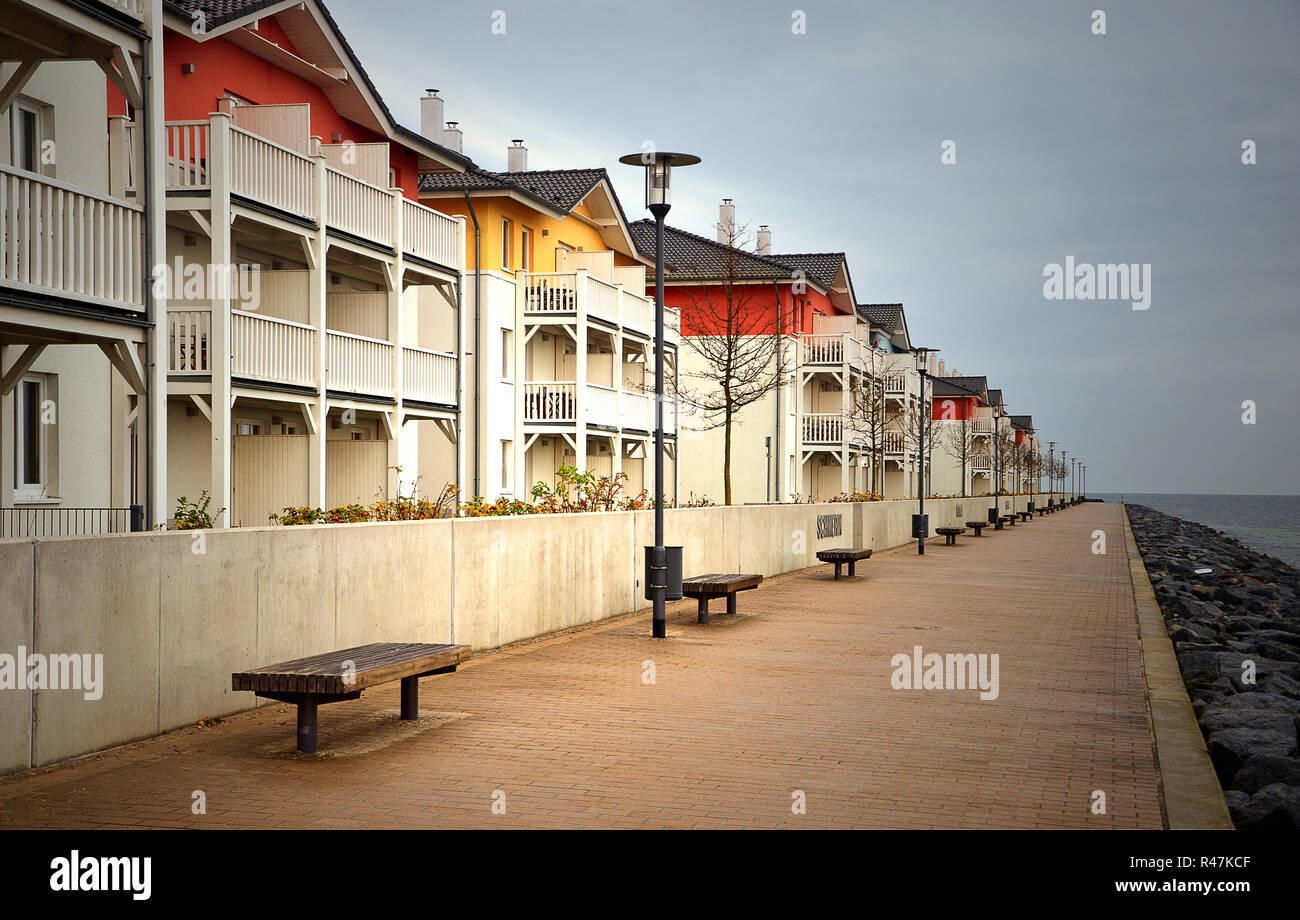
(175, 613)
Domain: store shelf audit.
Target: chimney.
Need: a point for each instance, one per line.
(726, 222)
(764, 241)
(517, 156)
(941, 373)
(431, 116)
(932, 368)
(452, 136)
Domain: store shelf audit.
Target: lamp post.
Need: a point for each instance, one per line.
(658, 173)
(921, 526)
(1051, 473)
(1064, 467)
(1084, 490)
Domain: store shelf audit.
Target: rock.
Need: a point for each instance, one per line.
(1272, 808)
(1263, 770)
(1231, 745)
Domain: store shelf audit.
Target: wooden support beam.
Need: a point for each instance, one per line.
(21, 366)
(15, 83)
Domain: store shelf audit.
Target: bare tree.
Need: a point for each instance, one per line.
(744, 356)
(867, 420)
(905, 425)
(957, 439)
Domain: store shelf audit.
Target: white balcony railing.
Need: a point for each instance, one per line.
(267, 172)
(430, 234)
(982, 425)
(429, 376)
(357, 364)
(895, 383)
(130, 7)
(823, 428)
(359, 208)
(601, 405)
(636, 410)
(187, 341)
(893, 442)
(602, 299)
(551, 293)
(187, 154)
(551, 401)
(57, 238)
(823, 349)
(639, 314)
(981, 463)
(270, 349)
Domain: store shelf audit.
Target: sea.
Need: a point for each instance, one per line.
(1266, 523)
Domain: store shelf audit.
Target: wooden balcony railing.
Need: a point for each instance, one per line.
(551, 401)
(187, 341)
(430, 234)
(895, 383)
(893, 442)
(358, 364)
(270, 349)
(601, 405)
(359, 208)
(823, 349)
(267, 172)
(551, 293)
(429, 376)
(823, 428)
(60, 239)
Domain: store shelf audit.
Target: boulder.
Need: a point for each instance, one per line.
(1262, 770)
(1272, 808)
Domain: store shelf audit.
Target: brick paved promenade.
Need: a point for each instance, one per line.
(792, 695)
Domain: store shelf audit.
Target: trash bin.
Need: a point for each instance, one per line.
(674, 592)
(993, 515)
(920, 525)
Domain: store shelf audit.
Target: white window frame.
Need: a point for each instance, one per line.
(507, 467)
(15, 131)
(526, 249)
(505, 243)
(507, 355)
(27, 492)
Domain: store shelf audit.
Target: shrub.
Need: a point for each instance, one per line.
(194, 515)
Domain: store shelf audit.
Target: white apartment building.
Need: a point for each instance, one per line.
(76, 421)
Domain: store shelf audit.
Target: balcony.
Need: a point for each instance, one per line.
(58, 239)
(279, 176)
(822, 427)
(981, 463)
(279, 351)
(560, 401)
(834, 349)
(896, 385)
(894, 442)
(982, 426)
(568, 293)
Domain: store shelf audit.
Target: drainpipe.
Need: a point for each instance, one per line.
(152, 514)
(780, 449)
(478, 362)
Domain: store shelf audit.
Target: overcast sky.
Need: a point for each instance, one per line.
(1122, 147)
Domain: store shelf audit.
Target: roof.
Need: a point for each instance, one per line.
(1023, 422)
(884, 315)
(961, 387)
(819, 267)
(557, 188)
(995, 397)
(690, 257)
(217, 13)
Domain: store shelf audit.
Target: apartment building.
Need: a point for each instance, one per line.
(80, 214)
(561, 326)
(965, 422)
(1029, 451)
(313, 321)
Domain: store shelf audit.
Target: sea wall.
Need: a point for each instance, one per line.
(173, 614)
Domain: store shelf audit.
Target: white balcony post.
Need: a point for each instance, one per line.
(317, 275)
(521, 376)
(395, 337)
(155, 176)
(581, 398)
(219, 337)
(462, 341)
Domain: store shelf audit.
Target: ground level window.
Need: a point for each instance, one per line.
(34, 418)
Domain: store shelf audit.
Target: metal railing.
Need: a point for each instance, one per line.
(57, 521)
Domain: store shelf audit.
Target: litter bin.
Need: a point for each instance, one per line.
(920, 525)
(674, 592)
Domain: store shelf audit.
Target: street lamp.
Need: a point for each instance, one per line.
(1051, 475)
(920, 525)
(1084, 490)
(658, 175)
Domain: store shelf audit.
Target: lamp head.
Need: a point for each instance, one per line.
(658, 165)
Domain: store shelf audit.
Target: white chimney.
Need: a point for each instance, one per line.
(932, 360)
(517, 156)
(941, 374)
(726, 222)
(452, 136)
(764, 241)
(431, 116)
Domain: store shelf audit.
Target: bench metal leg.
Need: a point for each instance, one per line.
(307, 726)
(410, 698)
(853, 567)
(703, 610)
(731, 603)
(837, 571)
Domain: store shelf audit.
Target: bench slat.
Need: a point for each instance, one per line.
(374, 664)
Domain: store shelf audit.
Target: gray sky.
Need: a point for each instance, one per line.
(1123, 147)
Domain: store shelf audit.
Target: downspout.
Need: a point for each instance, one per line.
(151, 310)
(478, 363)
(780, 445)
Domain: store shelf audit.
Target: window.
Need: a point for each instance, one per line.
(27, 125)
(505, 244)
(505, 466)
(507, 353)
(526, 249)
(245, 426)
(33, 422)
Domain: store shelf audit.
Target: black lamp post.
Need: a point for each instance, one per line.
(921, 524)
(1083, 492)
(658, 172)
(1051, 474)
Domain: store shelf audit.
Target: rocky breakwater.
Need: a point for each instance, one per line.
(1234, 617)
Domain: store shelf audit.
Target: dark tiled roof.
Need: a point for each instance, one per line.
(960, 386)
(1023, 422)
(220, 12)
(818, 267)
(995, 397)
(884, 315)
(557, 188)
(688, 257)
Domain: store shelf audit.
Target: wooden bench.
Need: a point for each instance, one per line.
(949, 534)
(706, 587)
(838, 557)
(1008, 519)
(977, 526)
(337, 676)
(1026, 515)
(1041, 511)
